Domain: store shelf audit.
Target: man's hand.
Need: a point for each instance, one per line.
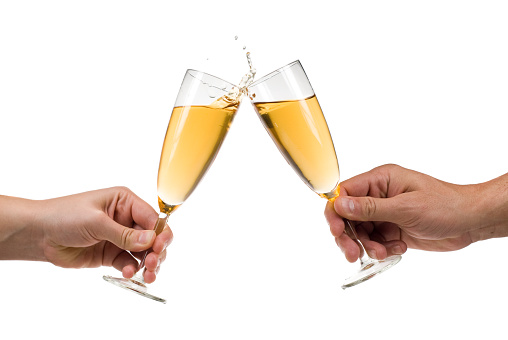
(396, 208)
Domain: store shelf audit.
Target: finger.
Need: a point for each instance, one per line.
(128, 209)
(367, 226)
(138, 254)
(388, 231)
(334, 221)
(125, 263)
(384, 181)
(162, 257)
(348, 247)
(153, 260)
(374, 249)
(371, 183)
(129, 271)
(372, 209)
(123, 237)
(142, 213)
(163, 240)
(395, 247)
(149, 276)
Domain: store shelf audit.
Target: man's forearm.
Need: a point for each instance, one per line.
(492, 205)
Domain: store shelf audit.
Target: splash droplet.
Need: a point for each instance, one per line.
(248, 78)
(236, 37)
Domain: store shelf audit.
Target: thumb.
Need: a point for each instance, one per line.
(124, 237)
(368, 209)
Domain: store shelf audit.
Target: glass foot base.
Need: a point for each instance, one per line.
(370, 269)
(132, 285)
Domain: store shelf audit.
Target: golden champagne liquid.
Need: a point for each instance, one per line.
(193, 139)
(299, 130)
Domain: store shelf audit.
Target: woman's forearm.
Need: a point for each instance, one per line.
(20, 237)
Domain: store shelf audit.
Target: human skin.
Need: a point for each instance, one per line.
(396, 208)
(97, 228)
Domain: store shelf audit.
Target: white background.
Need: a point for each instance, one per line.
(86, 91)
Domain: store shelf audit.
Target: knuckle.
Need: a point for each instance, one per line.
(126, 236)
(392, 166)
(369, 207)
(122, 190)
(385, 168)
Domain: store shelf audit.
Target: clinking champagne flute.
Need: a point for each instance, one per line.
(291, 114)
(204, 110)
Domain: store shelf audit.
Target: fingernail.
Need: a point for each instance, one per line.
(348, 205)
(145, 237)
(373, 254)
(397, 250)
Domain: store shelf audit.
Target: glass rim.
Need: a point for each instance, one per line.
(273, 73)
(210, 75)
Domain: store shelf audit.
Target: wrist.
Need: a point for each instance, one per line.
(20, 236)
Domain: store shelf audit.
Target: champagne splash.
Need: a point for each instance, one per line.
(234, 95)
(248, 78)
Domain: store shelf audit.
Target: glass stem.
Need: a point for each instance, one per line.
(159, 227)
(351, 232)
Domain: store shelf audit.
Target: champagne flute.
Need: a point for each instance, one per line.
(290, 112)
(204, 110)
